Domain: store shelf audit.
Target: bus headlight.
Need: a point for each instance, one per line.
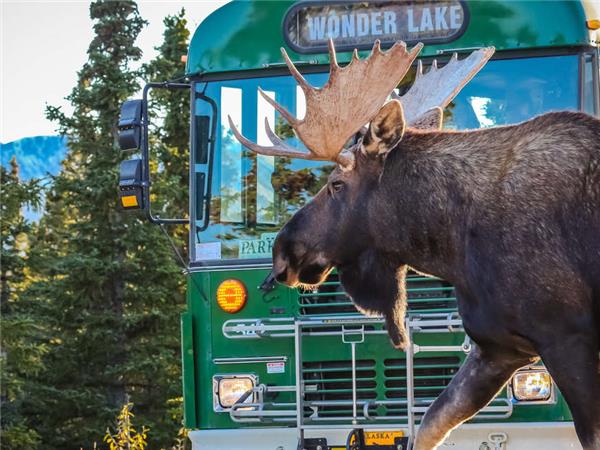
(532, 385)
(228, 389)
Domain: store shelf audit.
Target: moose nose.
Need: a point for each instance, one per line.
(279, 273)
(280, 270)
(281, 276)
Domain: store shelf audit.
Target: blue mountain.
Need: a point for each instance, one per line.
(37, 156)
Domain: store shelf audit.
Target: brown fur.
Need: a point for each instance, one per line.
(509, 215)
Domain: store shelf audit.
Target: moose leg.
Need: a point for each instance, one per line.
(574, 366)
(477, 381)
(396, 331)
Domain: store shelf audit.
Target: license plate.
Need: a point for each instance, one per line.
(382, 437)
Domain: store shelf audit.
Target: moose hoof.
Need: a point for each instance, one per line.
(400, 341)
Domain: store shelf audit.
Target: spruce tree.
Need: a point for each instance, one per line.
(169, 112)
(14, 196)
(22, 347)
(108, 285)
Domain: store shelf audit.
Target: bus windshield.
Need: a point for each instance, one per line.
(253, 196)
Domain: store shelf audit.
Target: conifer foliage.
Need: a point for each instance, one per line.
(106, 286)
(22, 345)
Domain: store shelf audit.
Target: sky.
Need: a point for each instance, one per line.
(43, 44)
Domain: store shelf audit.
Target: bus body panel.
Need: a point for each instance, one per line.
(242, 40)
(216, 354)
(220, 43)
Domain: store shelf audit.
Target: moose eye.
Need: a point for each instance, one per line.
(337, 186)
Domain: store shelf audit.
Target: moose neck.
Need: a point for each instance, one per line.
(423, 198)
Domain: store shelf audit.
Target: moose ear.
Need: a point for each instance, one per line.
(385, 130)
(431, 119)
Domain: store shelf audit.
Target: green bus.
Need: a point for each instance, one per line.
(268, 367)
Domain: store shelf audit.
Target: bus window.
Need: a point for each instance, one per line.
(231, 157)
(588, 94)
(265, 165)
(512, 91)
(253, 196)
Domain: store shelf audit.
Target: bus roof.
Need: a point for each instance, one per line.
(247, 34)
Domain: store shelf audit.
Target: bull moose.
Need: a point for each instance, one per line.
(510, 215)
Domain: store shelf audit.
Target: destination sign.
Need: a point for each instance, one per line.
(308, 25)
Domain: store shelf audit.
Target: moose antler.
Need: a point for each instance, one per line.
(352, 97)
(438, 87)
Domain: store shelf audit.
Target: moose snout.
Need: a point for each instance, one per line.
(311, 272)
(296, 260)
(280, 270)
(287, 268)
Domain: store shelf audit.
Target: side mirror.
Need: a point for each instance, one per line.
(130, 125)
(131, 186)
(134, 180)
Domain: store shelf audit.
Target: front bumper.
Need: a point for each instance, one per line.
(516, 436)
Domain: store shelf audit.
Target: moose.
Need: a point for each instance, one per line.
(509, 215)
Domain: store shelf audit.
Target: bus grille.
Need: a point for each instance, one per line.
(431, 376)
(328, 385)
(425, 294)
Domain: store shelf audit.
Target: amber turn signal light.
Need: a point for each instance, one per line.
(593, 24)
(231, 296)
(129, 201)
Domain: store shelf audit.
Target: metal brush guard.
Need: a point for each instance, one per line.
(352, 331)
